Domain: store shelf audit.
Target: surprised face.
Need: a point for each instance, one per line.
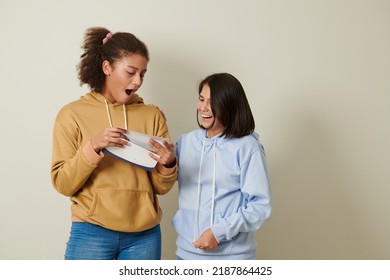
(124, 77)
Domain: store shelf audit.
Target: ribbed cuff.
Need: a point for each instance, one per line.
(90, 155)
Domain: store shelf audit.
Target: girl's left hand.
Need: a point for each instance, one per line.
(166, 153)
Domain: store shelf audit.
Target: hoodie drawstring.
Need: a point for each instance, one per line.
(109, 116)
(213, 195)
(198, 192)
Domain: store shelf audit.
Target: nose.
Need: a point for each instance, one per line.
(137, 80)
(204, 107)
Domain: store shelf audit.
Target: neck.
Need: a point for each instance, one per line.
(212, 133)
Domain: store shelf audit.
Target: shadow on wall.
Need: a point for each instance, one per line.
(172, 87)
(316, 214)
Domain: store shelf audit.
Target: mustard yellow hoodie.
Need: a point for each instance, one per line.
(105, 190)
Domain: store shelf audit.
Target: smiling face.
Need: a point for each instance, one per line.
(205, 112)
(124, 77)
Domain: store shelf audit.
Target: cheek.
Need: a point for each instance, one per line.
(114, 80)
(120, 79)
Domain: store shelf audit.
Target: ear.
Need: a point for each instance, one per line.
(106, 67)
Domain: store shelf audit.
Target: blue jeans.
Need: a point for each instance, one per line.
(92, 242)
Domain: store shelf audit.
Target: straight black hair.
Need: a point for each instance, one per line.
(229, 104)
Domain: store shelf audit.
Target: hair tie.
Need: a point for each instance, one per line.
(108, 37)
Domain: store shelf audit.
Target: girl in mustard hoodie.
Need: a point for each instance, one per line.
(114, 205)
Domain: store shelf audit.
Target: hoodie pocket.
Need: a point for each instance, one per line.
(124, 210)
(183, 223)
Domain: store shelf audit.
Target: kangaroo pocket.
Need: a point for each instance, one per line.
(187, 230)
(124, 210)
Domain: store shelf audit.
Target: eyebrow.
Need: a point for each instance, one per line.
(129, 66)
(136, 68)
(201, 95)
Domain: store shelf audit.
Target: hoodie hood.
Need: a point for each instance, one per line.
(96, 98)
(202, 136)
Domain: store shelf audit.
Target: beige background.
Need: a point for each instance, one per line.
(317, 76)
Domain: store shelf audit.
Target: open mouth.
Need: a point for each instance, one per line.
(129, 91)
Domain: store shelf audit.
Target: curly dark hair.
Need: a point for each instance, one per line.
(95, 52)
(229, 104)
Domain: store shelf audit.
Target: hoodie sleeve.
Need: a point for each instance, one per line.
(162, 183)
(255, 187)
(70, 168)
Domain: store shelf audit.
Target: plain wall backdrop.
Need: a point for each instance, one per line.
(317, 75)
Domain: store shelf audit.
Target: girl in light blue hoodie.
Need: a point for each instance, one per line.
(224, 190)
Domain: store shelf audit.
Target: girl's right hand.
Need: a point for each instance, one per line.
(109, 137)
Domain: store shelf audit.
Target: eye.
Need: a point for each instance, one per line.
(131, 74)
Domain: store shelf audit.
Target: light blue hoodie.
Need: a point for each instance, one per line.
(223, 185)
